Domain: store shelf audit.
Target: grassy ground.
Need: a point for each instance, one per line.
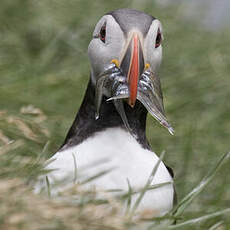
(43, 63)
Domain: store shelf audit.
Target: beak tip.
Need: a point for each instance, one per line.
(131, 103)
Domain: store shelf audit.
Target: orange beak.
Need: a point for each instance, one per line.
(132, 66)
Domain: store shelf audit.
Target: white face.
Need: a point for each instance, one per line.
(102, 49)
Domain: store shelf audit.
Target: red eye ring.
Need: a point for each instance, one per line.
(102, 34)
(158, 39)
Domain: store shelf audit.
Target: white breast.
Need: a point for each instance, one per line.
(116, 151)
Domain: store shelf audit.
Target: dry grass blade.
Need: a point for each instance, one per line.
(4, 138)
(216, 226)
(129, 197)
(126, 195)
(31, 110)
(12, 146)
(20, 209)
(184, 203)
(200, 219)
(48, 186)
(94, 177)
(23, 127)
(75, 168)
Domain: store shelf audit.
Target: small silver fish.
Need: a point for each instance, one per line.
(149, 94)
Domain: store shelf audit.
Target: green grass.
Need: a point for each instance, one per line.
(43, 62)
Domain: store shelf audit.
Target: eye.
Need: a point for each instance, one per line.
(102, 34)
(158, 39)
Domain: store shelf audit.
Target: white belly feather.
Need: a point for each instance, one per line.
(116, 151)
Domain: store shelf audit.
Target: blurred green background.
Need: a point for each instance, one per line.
(44, 63)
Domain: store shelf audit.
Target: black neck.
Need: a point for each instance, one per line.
(85, 124)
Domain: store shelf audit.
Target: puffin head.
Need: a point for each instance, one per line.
(125, 54)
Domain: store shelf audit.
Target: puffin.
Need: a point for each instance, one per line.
(106, 147)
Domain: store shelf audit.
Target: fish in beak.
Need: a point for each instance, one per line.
(129, 80)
